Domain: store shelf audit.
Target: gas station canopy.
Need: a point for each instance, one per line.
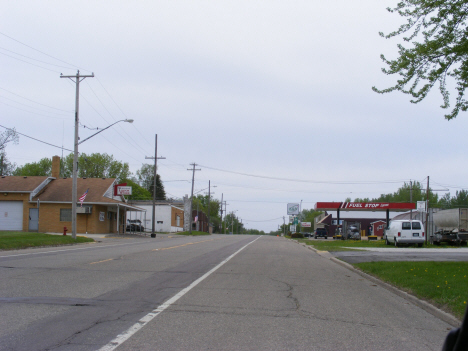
(365, 206)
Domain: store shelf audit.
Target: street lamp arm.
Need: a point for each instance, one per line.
(123, 120)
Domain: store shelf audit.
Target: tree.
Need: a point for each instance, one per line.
(145, 177)
(8, 136)
(41, 168)
(96, 165)
(403, 194)
(441, 52)
(201, 202)
(138, 192)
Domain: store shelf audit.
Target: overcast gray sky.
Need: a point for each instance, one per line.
(279, 89)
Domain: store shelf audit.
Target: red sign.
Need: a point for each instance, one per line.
(373, 206)
(116, 186)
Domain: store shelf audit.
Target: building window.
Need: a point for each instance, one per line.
(159, 222)
(65, 215)
(380, 227)
(178, 221)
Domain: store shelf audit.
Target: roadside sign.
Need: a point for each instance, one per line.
(292, 228)
(421, 206)
(293, 209)
(291, 219)
(124, 190)
(306, 224)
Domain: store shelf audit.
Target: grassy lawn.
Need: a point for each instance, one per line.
(444, 284)
(23, 240)
(348, 245)
(194, 232)
(341, 245)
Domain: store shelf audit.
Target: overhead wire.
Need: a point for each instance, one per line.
(102, 85)
(115, 119)
(39, 103)
(30, 58)
(16, 58)
(27, 136)
(32, 48)
(303, 180)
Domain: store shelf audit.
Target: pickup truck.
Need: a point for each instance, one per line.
(321, 233)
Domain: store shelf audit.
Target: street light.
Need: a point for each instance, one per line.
(75, 161)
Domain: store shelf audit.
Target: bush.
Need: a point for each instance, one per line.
(297, 235)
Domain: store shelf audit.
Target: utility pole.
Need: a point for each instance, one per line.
(77, 79)
(225, 210)
(427, 208)
(221, 230)
(411, 197)
(209, 201)
(155, 158)
(191, 196)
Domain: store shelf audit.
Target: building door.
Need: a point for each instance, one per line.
(33, 219)
(11, 215)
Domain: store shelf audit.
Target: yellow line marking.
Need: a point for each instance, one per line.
(110, 259)
(174, 247)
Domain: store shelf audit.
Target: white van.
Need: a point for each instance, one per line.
(405, 232)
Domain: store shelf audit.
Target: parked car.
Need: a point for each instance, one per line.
(306, 234)
(320, 233)
(405, 232)
(134, 225)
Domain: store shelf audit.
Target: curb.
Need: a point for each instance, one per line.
(426, 306)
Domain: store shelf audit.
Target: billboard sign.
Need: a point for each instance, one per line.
(293, 209)
(306, 224)
(124, 190)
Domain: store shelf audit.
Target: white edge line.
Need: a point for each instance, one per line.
(74, 249)
(121, 338)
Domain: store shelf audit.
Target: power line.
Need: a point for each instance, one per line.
(306, 181)
(16, 58)
(55, 108)
(27, 136)
(30, 58)
(134, 126)
(36, 113)
(30, 47)
(110, 114)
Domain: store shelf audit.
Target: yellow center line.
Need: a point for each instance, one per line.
(174, 247)
(110, 259)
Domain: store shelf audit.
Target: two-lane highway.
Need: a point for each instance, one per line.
(218, 292)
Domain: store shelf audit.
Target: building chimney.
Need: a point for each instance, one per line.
(56, 167)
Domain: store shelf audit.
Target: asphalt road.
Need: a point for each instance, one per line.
(219, 292)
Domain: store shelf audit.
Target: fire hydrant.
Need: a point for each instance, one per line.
(65, 230)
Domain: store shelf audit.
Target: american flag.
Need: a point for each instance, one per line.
(83, 197)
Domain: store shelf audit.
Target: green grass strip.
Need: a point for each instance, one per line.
(444, 284)
(23, 240)
(351, 245)
(194, 233)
